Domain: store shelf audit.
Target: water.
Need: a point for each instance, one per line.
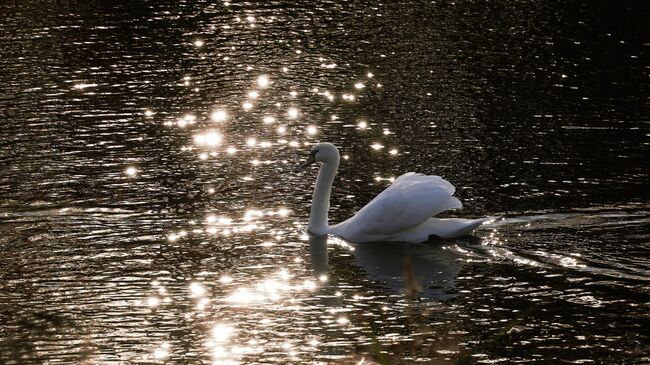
(147, 216)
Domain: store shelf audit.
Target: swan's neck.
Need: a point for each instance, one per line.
(320, 202)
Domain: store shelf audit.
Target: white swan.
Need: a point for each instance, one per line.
(403, 212)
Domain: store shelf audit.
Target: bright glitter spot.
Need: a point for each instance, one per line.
(570, 262)
(83, 86)
(359, 85)
(292, 113)
(342, 320)
(222, 332)
(251, 142)
(322, 278)
(231, 150)
(160, 353)
(198, 43)
(183, 122)
(247, 105)
(370, 75)
(203, 156)
(224, 220)
(251, 213)
(362, 124)
(219, 116)
(284, 274)
(393, 151)
(131, 171)
(225, 279)
(242, 296)
(187, 119)
(376, 146)
(202, 304)
(211, 219)
(312, 130)
(285, 69)
(263, 81)
(148, 113)
(282, 129)
(253, 94)
(197, 289)
(269, 119)
(309, 285)
(210, 138)
(153, 301)
(346, 157)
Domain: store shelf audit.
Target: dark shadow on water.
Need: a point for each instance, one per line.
(426, 270)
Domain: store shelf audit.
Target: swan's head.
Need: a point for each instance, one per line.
(322, 152)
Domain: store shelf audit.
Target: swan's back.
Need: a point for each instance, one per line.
(406, 204)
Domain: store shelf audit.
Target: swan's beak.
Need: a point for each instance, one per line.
(310, 160)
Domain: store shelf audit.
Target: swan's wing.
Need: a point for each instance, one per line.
(409, 201)
(434, 179)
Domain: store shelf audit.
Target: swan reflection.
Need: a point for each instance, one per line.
(400, 266)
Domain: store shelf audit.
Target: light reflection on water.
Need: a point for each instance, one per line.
(149, 212)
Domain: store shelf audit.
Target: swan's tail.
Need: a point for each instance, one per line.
(451, 227)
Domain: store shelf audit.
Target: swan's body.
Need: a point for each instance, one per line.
(403, 212)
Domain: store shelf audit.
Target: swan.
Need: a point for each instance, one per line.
(402, 212)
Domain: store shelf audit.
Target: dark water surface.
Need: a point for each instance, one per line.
(149, 214)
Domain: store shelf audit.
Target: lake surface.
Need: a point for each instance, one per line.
(149, 212)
